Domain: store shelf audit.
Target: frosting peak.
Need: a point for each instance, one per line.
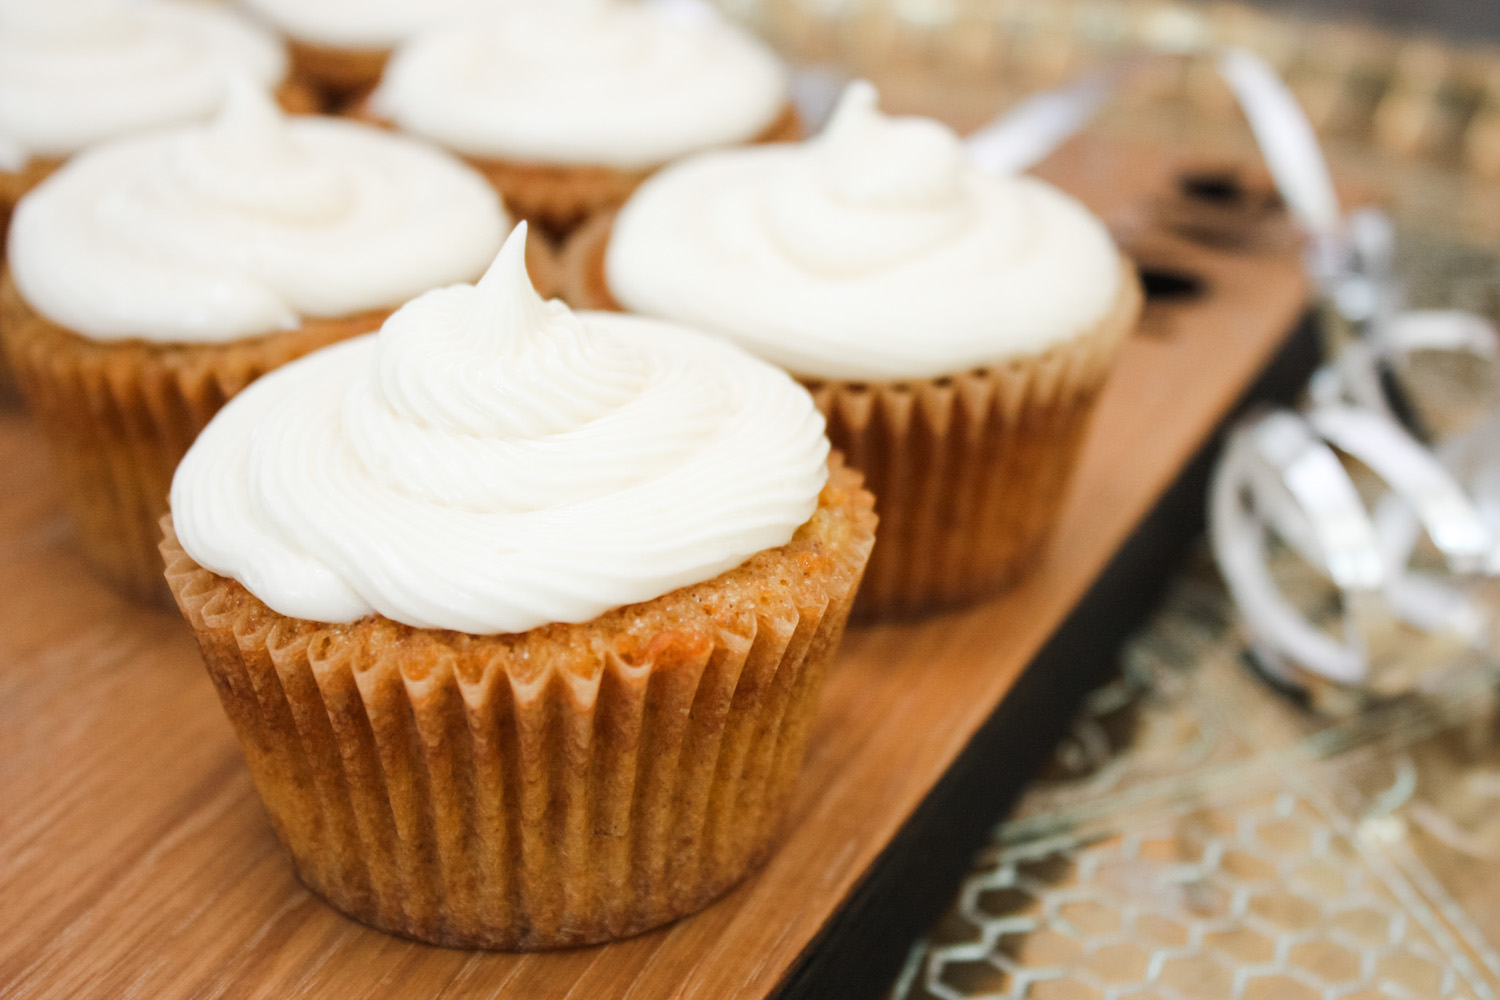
(872, 191)
(508, 362)
(250, 161)
(489, 462)
(867, 158)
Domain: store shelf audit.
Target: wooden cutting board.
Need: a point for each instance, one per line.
(135, 860)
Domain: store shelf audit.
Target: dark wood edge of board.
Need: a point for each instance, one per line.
(860, 951)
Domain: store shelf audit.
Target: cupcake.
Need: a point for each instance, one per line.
(954, 326)
(568, 105)
(520, 615)
(75, 73)
(339, 47)
(152, 278)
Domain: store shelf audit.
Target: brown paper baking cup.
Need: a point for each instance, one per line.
(15, 183)
(563, 786)
(582, 282)
(969, 471)
(339, 77)
(13, 186)
(118, 417)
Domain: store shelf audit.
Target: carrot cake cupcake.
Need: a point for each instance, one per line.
(152, 278)
(74, 73)
(954, 326)
(566, 106)
(520, 615)
(340, 47)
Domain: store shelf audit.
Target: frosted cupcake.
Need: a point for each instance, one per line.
(151, 279)
(955, 327)
(75, 73)
(520, 615)
(568, 105)
(340, 47)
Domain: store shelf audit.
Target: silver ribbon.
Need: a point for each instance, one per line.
(1286, 474)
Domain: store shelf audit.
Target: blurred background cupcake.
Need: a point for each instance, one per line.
(954, 326)
(152, 278)
(339, 48)
(74, 73)
(568, 105)
(521, 615)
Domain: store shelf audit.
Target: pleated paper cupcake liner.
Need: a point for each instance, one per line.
(582, 282)
(563, 786)
(337, 77)
(118, 417)
(15, 183)
(969, 471)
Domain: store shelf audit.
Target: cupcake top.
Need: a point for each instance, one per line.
(489, 462)
(247, 226)
(361, 24)
(608, 83)
(77, 72)
(876, 251)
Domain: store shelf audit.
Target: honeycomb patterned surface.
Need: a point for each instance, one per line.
(1201, 836)
(1261, 898)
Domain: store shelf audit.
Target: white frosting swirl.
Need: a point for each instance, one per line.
(77, 72)
(875, 251)
(584, 82)
(362, 24)
(489, 463)
(215, 233)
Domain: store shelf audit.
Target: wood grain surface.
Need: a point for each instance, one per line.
(135, 859)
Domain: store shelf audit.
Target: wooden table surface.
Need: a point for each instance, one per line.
(135, 859)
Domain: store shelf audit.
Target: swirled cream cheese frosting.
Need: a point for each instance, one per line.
(609, 83)
(362, 24)
(77, 72)
(489, 462)
(876, 251)
(247, 226)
